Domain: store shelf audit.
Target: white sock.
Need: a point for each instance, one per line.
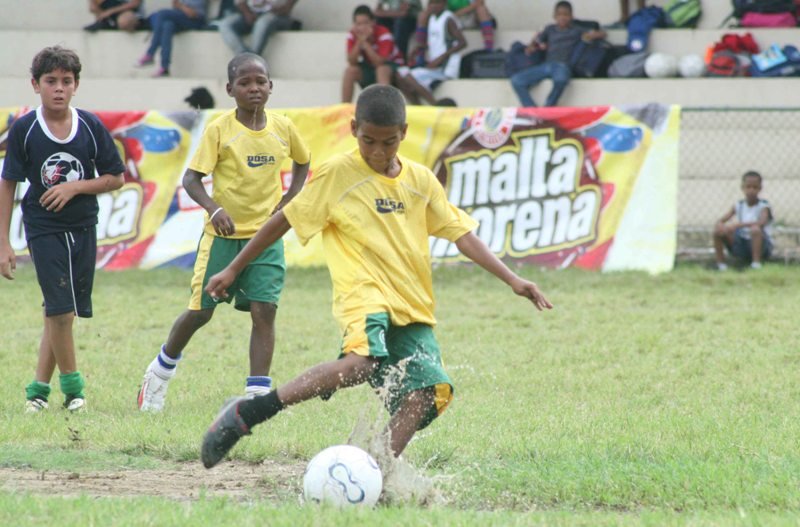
(722, 266)
(164, 366)
(756, 265)
(258, 385)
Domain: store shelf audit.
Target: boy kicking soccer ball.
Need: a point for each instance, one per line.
(379, 261)
(244, 150)
(58, 148)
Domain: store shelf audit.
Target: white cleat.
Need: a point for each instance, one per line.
(78, 404)
(152, 393)
(34, 406)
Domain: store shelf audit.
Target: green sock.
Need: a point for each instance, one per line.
(72, 385)
(37, 390)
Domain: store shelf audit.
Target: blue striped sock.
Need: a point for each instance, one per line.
(258, 384)
(163, 365)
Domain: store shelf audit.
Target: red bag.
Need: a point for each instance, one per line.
(737, 43)
(724, 63)
(752, 19)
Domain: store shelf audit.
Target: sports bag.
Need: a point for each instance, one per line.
(753, 19)
(725, 63)
(629, 66)
(640, 24)
(682, 13)
(776, 62)
(740, 7)
(591, 59)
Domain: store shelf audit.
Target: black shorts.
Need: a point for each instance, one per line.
(65, 264)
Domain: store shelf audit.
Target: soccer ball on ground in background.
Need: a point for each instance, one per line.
(343, 475)
(661, 66)
(691, 66)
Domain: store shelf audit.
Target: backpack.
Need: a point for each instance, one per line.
(629, 66)
(742, 7)
(682, 13)
(483, 64)
(640, 24)
(753, 19)
(591, 59)
(776, 62)
(725, 63)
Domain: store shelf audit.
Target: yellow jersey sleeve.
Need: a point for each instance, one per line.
(444, 219)
(207, 152)
(298, 149)
(308, 213)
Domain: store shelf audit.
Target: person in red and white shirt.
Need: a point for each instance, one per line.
(372, 55)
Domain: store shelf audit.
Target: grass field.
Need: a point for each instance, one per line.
(638, 400)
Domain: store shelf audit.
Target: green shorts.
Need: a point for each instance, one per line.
(368, 76)
(261, 280)
(409, 359)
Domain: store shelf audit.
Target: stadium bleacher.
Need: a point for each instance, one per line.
(307, 65)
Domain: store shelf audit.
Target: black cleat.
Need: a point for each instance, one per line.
(224, 433)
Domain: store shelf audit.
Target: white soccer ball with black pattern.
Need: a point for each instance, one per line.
(343, 476)
(61, 167)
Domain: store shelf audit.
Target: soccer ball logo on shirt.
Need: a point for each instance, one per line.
(60, 168)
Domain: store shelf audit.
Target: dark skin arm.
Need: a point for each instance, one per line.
(473, 248)
(222, 222)
(299, 175)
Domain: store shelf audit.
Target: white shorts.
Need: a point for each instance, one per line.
(427, 76)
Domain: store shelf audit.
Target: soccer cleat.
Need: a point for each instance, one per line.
(161, 72)
(75, 404)
(35, 405)
(152, 393)
(224, 433)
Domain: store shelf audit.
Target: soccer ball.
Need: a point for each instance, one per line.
(342, 476)
(691, 66)
(661, 66)
(61, 168)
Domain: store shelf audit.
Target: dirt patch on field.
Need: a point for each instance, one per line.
(189, 481)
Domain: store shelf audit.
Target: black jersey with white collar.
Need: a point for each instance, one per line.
(36, 155)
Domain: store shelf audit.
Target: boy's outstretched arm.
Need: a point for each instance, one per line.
(268, 234)
(8, 261)
(473, 248)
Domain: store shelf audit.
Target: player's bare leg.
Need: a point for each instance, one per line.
(326, 378)
(262, 337)
(58, 329)
(406, 420)
(721, 234)
(184, 328)
(239, 415)
(46, 365)
(162, 369)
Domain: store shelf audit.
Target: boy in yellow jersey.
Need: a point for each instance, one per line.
(376, 210)
(243, 150)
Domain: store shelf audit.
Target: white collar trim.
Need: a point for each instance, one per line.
(73, 131)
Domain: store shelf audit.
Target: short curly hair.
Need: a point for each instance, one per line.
(56, 58)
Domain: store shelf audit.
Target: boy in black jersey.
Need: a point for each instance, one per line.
(68, 157)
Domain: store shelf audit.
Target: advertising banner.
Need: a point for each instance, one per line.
(557, 187)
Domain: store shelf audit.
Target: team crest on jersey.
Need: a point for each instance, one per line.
(60, 168)
(259, 160)
(388, 205)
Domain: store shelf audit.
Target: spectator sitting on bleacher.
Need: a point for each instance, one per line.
(372, 56)
(470, 14)
(400, 16)
(443, 60)
(184, 15)
(127, 15)
(558, 41)
(260, 18)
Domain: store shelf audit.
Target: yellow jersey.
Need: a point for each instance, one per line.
(375, 234)
(245, 166)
